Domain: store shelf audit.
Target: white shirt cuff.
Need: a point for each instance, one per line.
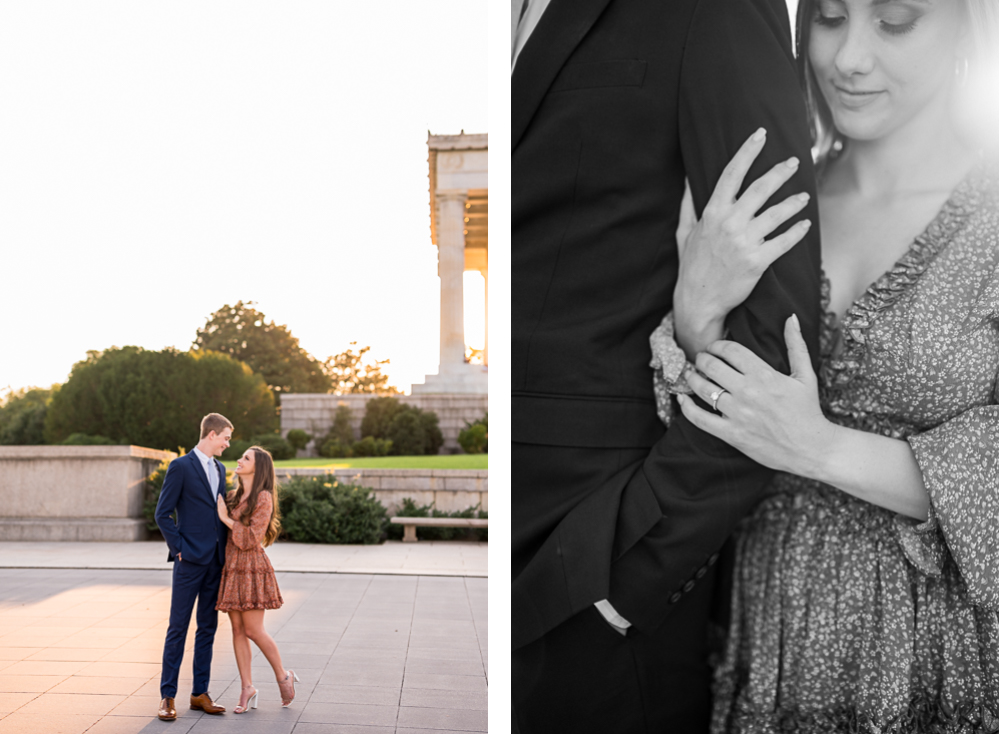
(614, 618)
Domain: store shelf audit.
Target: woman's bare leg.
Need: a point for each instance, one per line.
(244, 656)
(253, 623)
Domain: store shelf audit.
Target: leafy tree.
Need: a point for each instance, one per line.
(22, 416)
(244, 333)
(349, 373)
(157, 399)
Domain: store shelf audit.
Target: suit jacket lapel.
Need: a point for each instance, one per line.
(559, 31)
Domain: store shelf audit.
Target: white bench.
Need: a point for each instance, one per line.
(410, 524)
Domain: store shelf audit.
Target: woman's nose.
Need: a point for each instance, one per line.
(855, 54)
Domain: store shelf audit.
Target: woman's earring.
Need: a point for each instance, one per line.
(961, 71)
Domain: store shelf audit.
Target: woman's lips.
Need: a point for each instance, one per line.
(855, 98)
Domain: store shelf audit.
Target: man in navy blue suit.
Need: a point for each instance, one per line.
(197, 543)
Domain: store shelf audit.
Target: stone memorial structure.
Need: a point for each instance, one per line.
(459, 205)
(459, 217)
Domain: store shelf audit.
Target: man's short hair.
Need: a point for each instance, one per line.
(214, 422)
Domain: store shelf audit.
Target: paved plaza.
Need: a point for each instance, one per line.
(377, 653)
(423, 558)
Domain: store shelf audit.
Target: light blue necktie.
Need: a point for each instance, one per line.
(213, 478)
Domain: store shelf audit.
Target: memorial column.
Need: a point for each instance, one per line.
(451, 266)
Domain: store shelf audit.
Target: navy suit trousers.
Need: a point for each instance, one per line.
(191, 582)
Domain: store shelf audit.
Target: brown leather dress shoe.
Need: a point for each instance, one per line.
(168, 711)
(204, 702)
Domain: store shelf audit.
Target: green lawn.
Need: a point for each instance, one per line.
(456, 461)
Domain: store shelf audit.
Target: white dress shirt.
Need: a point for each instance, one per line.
(211, 471)
(525, 23)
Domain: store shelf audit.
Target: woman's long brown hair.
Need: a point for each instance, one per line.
(264, 480)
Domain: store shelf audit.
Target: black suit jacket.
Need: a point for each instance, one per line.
(614, 103)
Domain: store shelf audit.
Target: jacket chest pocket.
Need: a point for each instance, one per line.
(597, 74)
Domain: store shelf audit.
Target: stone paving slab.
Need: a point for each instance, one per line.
(423, 558)
(376, 653)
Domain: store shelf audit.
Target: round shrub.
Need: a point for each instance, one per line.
(434, 437)
(407, 435)
(278, 447)
(369, 446)
(323, 510)
(473, 438)
(298, 439)
(336, 449)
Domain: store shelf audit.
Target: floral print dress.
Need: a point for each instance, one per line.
(845, 616)
(248, 580)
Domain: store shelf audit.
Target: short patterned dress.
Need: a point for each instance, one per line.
(248, 580)
(845, 616)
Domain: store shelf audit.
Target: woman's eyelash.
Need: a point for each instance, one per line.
(897, 29)
(893, 29)
(830, 21)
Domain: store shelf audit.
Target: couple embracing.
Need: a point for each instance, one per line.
(674, 387)
(216, 545)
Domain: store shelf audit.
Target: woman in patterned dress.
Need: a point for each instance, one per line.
(865, 593)
(248, 585)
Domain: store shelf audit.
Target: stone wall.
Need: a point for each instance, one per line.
(92, 493)
(448, 489)
(313, 413)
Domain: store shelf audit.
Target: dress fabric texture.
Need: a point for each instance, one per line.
(846, 616)
(248, 580)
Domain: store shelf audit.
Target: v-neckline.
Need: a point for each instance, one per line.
(875, 297)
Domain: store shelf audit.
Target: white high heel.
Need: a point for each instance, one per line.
(293, 678)
(251, 703)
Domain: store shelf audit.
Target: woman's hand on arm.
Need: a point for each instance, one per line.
(725, 253)
(777, 421)
(223, 511)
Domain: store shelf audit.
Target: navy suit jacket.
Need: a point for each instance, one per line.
(198, 532)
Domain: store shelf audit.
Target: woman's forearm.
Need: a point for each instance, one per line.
(694, 326)
(873, 468)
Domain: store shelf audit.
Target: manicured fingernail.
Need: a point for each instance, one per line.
(792, 162)
(803, 197)
(795, 321)
(759, 135)
(806, 223)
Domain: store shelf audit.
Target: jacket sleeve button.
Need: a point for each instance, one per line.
(688, 586)
(676, 597)
(701, 572)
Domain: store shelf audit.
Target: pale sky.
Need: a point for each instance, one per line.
(159, 160)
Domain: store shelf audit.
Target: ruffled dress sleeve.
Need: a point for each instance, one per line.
(670, 366)
(958, 460)
(248, 537)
